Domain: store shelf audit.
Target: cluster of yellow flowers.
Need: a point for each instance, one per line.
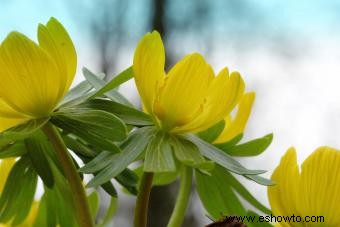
(187, 99)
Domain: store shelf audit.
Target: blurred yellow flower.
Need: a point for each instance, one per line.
(34, 78)
(5, 167)
(235, 126)
(190, 98)
(313, 191)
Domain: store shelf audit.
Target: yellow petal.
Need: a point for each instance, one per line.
(7, 111)
(148, 68)
(5, 167)
(184, 91)
(55, 40)
(283, 197)
(10, 117)
(30, 81)
(236, 126)
(223, 94)
(7, 123)
(320, 185)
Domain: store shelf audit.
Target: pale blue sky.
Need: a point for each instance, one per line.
(312, 17)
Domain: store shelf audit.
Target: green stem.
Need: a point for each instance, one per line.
(182, 200)
(142, 203)
(84, 217)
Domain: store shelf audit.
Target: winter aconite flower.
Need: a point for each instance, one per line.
(34, 77)
(189, 98)
(235, 126)
(311, 191)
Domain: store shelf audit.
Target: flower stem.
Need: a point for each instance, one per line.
(84, 217)
(182, 200)
(142, 203)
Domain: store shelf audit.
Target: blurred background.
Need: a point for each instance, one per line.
(287, 51)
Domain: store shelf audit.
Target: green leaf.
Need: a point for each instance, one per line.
(21, 131)
(128, 177)
(187, 153)
(165, 178)
(76, 92)
(18, 194)
(60, 211)
(41, 218)
(128, 114)
(217, 196)
(220, 157)
(51, 207)
(128, 180)
(110, 212)
(109, 189)
(242, 191)
(101, 161)
(36, 147)
(227, 145)
(251, 148)
(159, 179)
(13, 150)
(58, 199)
(213, 132)
(260, 180)
(78, 147)
(108, 89)
(98, 124)
(158, 155)
(93, 200)
(121, 78)
(108, 186)
(132, 148)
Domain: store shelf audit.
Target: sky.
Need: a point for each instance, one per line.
(287, 51)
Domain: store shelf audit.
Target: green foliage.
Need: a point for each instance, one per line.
(242, 191)
(14, 149)
(220, 194)
(129, 180)
(131, 149)
(217, 195)
(94, 126)
(213, 132)
(77, 92)
(18, 194)
(189, 154)
(93, 200)
(250, 148)
(36, 150)
(229, 144)
(21, 131)
(128, 114)
(158, 155)
(108, 89)
(60, 210)
(110, 212)
(160, 178)
(220, 157)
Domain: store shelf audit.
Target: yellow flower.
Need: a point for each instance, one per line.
(5, 167)
(235, 126)
(189, 98)
(313, 191)
(34, 78)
